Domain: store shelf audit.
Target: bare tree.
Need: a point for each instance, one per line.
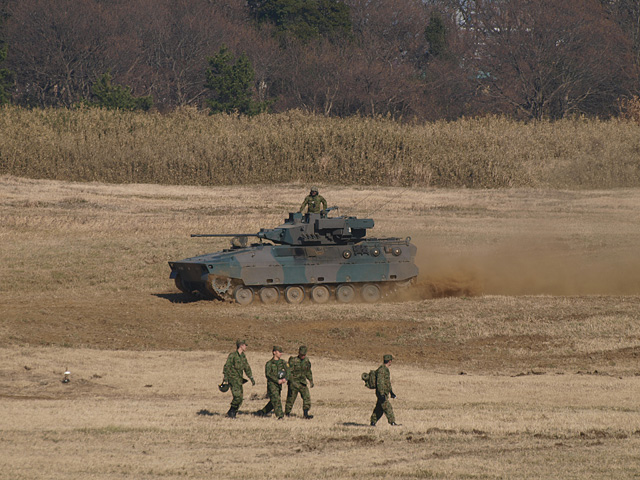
(549, 58)
(627, 14)
(57, 48)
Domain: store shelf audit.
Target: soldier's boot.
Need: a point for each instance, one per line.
(232, 412)
(306, 414)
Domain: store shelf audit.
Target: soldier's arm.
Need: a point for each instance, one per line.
(271, 372)
(247, 370)
(308, 374)
(324, 203)
(304, 204)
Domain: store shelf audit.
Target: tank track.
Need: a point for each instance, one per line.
(233, 291)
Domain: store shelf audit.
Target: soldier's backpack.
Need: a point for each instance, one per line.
(369, 379)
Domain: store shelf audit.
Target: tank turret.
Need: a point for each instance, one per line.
(309, 255)
(310, 229)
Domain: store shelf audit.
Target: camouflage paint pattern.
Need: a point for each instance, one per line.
(383, 391)
(315, 204)
(300, 372)
(307, 250)
(233, 370)
(272, 370)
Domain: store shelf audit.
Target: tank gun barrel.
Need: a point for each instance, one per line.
(229, 235)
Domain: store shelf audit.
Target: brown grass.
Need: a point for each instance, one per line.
(516, 354)
(192, 148)
(159, 415)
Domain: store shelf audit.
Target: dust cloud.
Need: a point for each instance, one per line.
(525, 267)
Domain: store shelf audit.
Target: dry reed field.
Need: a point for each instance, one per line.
(191, 147)
(516, 352)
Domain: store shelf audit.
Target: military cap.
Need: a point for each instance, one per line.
(240, 342)
(302, 350)
(387, 358)
(278, 348)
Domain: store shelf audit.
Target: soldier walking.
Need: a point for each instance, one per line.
(300, 370)
(232, 372)
(383, 391)
(277, 372)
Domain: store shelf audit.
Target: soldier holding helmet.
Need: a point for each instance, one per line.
(233, 370)
(277, 372)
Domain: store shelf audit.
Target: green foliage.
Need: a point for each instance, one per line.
(436, 35)
(304, 19)
(6, 78)
(231, 84)
(117, 97)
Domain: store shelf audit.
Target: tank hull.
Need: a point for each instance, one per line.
(373, 268)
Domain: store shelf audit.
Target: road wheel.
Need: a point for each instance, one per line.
(269, 295)
(345, 293)
(294, 294)
(370, 293)
(243, 295)
(320, 294)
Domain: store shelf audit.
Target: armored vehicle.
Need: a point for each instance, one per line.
(309, 256)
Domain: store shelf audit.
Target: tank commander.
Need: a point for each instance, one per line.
(277, 372)
(233, 370)
(314, 202)
(300, 370)
(383, 391)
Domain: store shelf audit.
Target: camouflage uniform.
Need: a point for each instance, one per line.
(233, 370)
(316, 203)
(383, 391)
(300, 371)
(273, 370)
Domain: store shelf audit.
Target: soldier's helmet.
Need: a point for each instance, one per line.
(387, 358)
(302, 350)
(223, 387)
(314, 190)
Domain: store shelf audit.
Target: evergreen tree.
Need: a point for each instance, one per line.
(231, 84)
(304, 19)
(436, 35)
(116, 97)
(6, 78)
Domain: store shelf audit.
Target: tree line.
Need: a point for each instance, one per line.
(409, 59)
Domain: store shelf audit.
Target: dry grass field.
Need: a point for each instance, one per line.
(517, 352)
(191, 147)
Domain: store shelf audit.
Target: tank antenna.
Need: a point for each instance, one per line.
(387, 203)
